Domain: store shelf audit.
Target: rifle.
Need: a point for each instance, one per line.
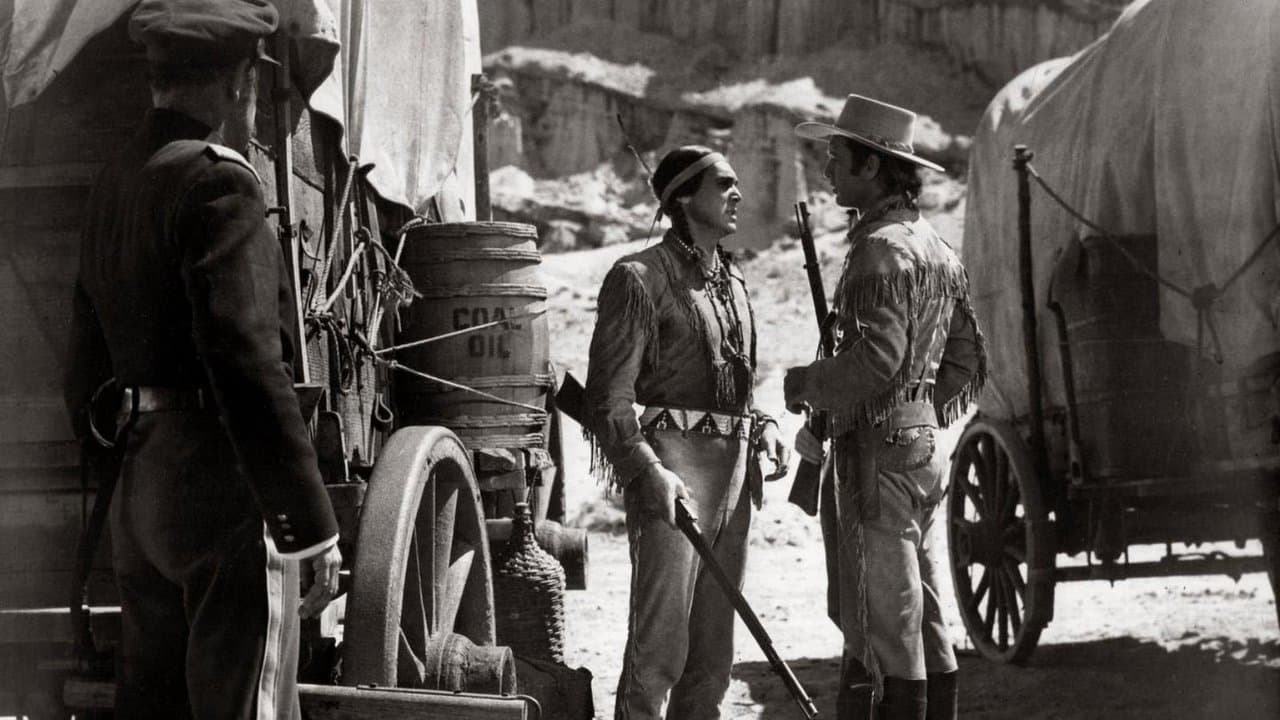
(569, 400)
(689, 526)
(804, 490)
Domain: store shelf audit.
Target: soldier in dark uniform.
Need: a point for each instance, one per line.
(183, 298)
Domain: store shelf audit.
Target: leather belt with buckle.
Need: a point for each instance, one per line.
(143, 399)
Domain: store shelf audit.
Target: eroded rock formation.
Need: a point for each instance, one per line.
(995, 38)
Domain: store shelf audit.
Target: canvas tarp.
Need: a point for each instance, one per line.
(400, 85)
(1168, 125)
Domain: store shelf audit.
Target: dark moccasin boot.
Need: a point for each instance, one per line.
(903, 699)
(944, 696)
(855, 702)
(856, 699)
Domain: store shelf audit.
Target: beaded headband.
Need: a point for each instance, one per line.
(698, 166)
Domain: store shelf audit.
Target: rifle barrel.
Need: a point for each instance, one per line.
(689, 526)
(805, 489)
(813, 269)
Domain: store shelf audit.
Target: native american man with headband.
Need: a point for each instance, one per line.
(675, 333)
(908, 359)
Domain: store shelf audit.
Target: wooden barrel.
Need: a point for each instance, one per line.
(472, 275)
(1132, 385)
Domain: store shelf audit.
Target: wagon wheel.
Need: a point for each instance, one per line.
(1001, 543)
(421, 580)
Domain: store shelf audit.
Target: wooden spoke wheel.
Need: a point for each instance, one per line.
(1000, 540)
(422, 589)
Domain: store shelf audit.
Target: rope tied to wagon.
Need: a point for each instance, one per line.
(463, 331)
(1202, 297)
(396, 365)
(340, 349)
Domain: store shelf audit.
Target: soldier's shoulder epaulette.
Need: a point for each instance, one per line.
(223, 153)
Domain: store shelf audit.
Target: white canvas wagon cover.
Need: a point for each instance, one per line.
(1168, 125)
(396, 74)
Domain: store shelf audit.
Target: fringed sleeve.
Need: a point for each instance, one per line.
(963, 369)
(881, 291)
(871, 367)
(624, 341)
(869, 371)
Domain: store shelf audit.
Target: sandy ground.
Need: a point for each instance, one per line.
(1203, 647)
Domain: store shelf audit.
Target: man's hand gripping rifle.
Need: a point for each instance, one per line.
(570, 399)
(804, 491)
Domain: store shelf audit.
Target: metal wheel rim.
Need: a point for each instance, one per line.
(422, 567)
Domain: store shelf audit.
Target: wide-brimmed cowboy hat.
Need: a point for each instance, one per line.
(887, 128)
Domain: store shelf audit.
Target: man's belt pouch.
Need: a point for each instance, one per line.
(910, 437)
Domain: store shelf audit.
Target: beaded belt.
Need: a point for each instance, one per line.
(698, 421)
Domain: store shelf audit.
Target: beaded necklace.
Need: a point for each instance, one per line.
(733, 373)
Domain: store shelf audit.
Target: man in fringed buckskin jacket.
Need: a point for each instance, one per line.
(675, 333)
(909, 358)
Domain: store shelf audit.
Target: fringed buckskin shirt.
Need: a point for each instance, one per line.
(902, 318)
(659, 340)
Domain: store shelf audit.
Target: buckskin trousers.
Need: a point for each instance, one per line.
(905, 629)
(209, 609)
(680, 626)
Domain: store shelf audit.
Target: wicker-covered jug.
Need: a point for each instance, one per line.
(528, 591)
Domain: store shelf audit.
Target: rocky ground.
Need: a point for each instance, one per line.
(1153, 648)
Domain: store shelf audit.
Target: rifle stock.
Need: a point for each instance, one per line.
(804, 489)
(570, 399)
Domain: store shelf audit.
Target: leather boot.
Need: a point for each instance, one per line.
(856, 698)
(944, 696)
(903, 699)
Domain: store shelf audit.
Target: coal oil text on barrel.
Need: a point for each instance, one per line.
(480, 286)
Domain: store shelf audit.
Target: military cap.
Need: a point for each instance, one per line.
(206, 33)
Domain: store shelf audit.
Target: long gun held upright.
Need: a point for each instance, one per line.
(804, 490)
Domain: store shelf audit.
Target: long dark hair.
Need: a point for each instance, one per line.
(671, 165)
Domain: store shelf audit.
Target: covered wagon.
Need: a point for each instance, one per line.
(1121, 240)
(425, 373)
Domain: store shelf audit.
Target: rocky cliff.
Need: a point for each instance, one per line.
(994, 38)
(562, 97)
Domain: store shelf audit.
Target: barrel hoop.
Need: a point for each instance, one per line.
(471, 254)
(487, 421)
(501, 381)
(484, 290)
(476, 442)
(483, 229)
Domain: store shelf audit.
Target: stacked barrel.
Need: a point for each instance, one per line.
(485, 373)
